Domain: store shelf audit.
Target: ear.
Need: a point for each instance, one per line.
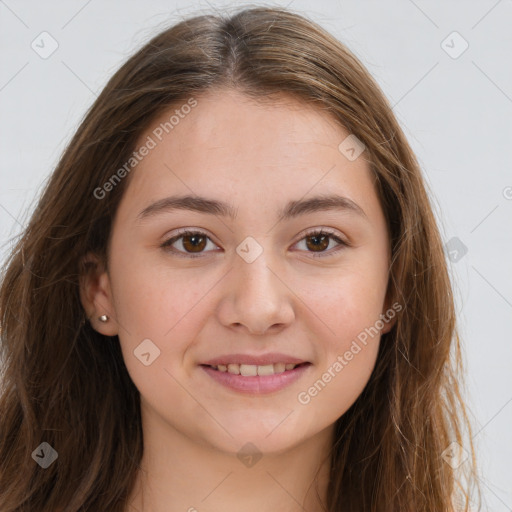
(96, 295)
(390, 313)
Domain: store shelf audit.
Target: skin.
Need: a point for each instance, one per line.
(256, 157)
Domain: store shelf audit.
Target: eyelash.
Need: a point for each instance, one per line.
(167, 244)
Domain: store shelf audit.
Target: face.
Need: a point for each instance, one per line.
(251, 284)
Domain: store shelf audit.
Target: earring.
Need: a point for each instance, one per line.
(103, 318)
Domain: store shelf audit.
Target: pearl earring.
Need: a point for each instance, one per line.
(103, 318)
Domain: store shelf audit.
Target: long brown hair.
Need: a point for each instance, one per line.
(67, 385)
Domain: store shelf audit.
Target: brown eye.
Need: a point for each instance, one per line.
(193, 244)
(317, 242)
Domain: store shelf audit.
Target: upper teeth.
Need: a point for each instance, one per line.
(251, 370)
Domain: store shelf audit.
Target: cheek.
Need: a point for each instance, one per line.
(351, 344)
(347, 340)
(165, 307)
(337, 385)
(348, 303)
(154, 300)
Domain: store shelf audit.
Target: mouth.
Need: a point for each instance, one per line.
(251, 370)
(255, 380)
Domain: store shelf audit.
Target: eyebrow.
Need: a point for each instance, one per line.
(214, 207)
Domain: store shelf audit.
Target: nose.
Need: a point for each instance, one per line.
(255, 297)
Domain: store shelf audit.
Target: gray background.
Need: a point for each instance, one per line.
(456, 111)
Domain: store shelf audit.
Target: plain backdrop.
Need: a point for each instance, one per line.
(445, 66)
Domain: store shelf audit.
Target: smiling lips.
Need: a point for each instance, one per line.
(251, 366)
(251, 370)
(258, 360)
(250, 383)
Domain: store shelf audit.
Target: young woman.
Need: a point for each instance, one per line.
(233, 294)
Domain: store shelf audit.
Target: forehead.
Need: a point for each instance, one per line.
(246, 149)
(228, 119)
